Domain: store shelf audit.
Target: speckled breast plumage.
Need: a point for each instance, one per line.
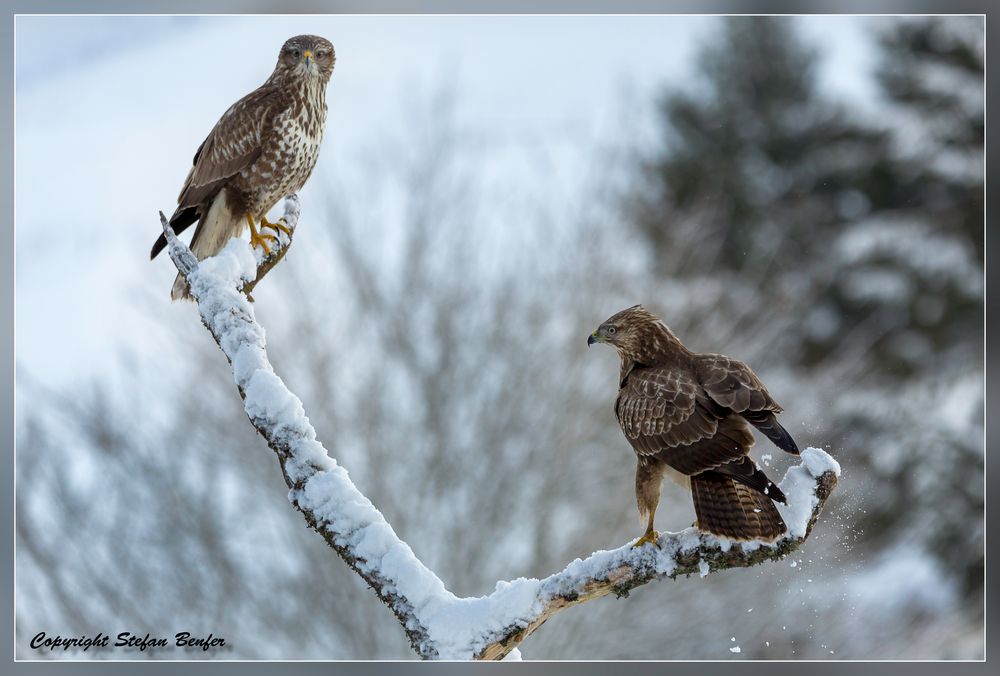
(289, 156)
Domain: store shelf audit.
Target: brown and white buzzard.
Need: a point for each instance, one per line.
(262, 149)
(687, 415)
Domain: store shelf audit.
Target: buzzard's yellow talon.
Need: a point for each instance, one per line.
(650, 536)
(277, 226)
(259, 238)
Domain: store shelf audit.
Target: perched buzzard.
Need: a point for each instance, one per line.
(262, 149)
(686, 416)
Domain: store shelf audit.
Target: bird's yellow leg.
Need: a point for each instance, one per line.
(258, 238)
(277, 226)
(650, 536)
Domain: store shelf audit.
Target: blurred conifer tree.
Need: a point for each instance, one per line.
(855, 225)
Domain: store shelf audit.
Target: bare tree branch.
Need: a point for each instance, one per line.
(439, 624)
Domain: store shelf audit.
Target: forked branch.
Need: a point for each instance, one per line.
(439, 624)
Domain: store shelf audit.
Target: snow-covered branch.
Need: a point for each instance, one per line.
(439, 624)
(807, 486)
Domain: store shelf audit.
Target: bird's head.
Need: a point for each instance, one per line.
(307, 56)
(634, 332)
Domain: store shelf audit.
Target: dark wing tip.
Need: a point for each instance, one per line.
(749, 474)
(158, 245)
(772, 491)
(180, 221)
(783, 440)
(767, 423)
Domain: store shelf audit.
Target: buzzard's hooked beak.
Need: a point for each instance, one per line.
(307, 55)
(592, 338)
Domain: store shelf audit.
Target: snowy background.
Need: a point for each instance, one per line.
(805, 194)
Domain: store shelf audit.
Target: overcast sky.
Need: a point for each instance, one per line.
(105, 134)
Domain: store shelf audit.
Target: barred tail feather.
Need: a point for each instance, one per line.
(731, 509)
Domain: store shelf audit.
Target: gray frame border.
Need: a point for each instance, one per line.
(7, 254)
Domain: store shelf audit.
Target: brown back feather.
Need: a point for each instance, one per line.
(235, 143)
